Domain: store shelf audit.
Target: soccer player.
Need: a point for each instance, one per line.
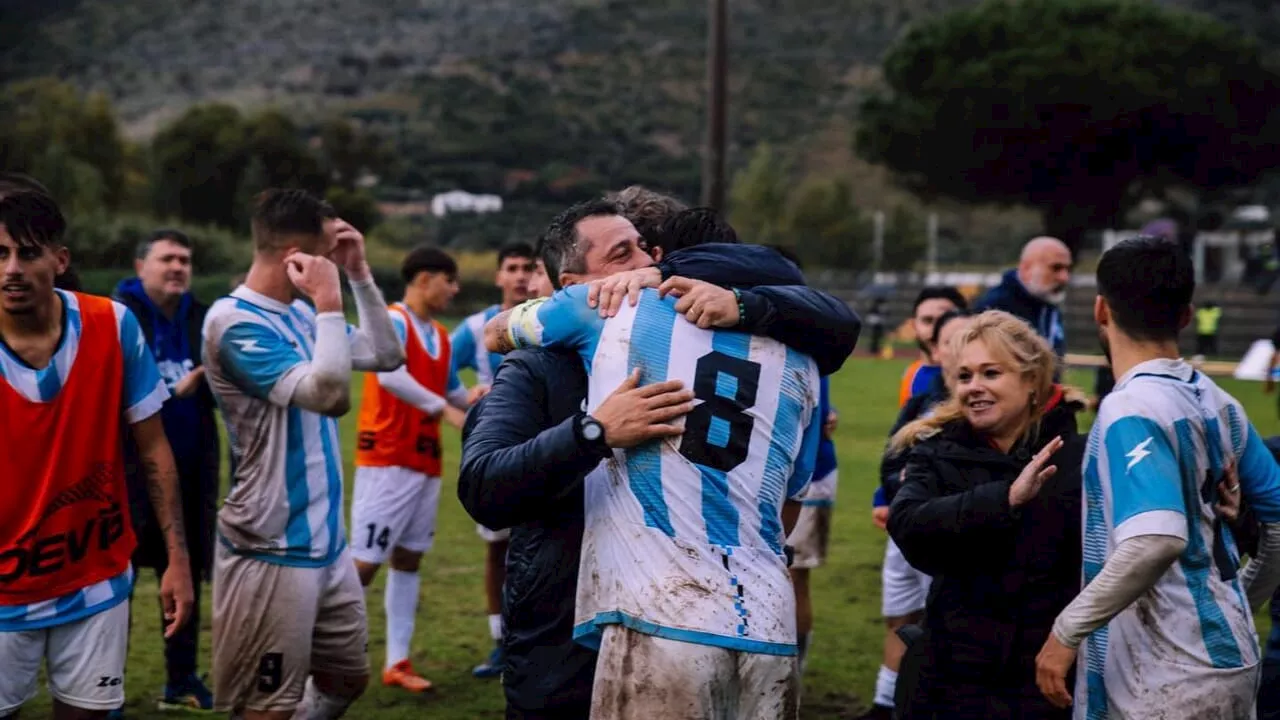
(539, 283)
(287, 602)
(515, 270)
(683, 583)
(905, 589)
(74, 371)
(1162, 627)
(397, 489)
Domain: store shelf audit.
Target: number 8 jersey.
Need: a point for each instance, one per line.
(684, 537)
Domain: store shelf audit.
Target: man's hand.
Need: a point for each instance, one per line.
(454, 416)
(475, 393)
(1052, 665)
(176, 596)
(349, 251)
(702, 303)
(317, 278)
(187, 386)
(880, 516)
(607, 294)
(1228, 505)
(633, 415)
(829, 427)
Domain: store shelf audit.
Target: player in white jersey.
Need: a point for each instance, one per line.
(515, 269)
(1163, 626)
(287, 603)
(683, 584)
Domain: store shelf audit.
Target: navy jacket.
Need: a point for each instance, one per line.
(189, 424)
(1012, 297)
(523, 469)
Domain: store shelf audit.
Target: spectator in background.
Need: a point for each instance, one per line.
(876, 321)
(904, 589)
(1035, 289)
(515, 270)
(1207, 318)
(171, 320)
(990, 507)
(930, 304)
(539, 283)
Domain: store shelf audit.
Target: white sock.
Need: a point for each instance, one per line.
(886, 681)
(401, 603)
(495, 627)
(319, 706)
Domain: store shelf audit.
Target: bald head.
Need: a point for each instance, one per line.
(1045, 268)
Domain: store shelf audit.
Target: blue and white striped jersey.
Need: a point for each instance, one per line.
(143, 395)
(684, 537)
(468, 346)
(285, 503)
(1155, 457)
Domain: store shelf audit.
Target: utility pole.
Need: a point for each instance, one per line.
(717, 71)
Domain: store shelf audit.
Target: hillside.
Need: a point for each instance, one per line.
(480, 93)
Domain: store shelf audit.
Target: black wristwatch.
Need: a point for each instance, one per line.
(590, 432)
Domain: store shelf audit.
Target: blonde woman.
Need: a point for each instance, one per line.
(990, 507)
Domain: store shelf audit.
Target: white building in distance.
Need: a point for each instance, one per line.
(459, 201)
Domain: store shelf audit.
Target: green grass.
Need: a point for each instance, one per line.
(452, 633)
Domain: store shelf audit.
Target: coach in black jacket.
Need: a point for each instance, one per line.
(524, 460)
(171, 320)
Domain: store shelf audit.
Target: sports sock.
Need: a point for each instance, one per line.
(495, 627)
(886, 681)
(317, 705)
(401, 603)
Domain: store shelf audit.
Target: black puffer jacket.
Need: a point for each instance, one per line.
(1000, 576)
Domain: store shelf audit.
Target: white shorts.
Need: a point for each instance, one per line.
(642, 677)
(493, 536)
(273, 625)
(85, 662)
(810, 537)
(905, 589)
(392, 507)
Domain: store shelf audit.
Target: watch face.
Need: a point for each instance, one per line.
(591, 431)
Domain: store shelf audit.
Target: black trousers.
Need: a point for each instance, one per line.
(1206, 344)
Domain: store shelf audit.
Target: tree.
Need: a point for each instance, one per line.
(1076, 107)
(823, 225)
(69, 141)
(758, 198)
(198, 163)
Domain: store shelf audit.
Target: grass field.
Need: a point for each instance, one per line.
(452, 633)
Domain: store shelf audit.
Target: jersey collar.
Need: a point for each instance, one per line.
(262, 301)
(1177, 369)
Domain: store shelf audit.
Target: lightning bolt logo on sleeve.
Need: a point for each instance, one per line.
(1137, 454)
(248, 346)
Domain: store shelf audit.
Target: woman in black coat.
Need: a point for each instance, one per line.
(990, 507)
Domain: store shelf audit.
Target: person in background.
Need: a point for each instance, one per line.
(171, 320)
(876, 322)
(515, 270)
(1035, 290)
(905, 589)
(1207, 318)
(812, 533)
(982, 511)
(396, 494)
(539, 283)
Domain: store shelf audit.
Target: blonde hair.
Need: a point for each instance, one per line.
(1018, 346)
